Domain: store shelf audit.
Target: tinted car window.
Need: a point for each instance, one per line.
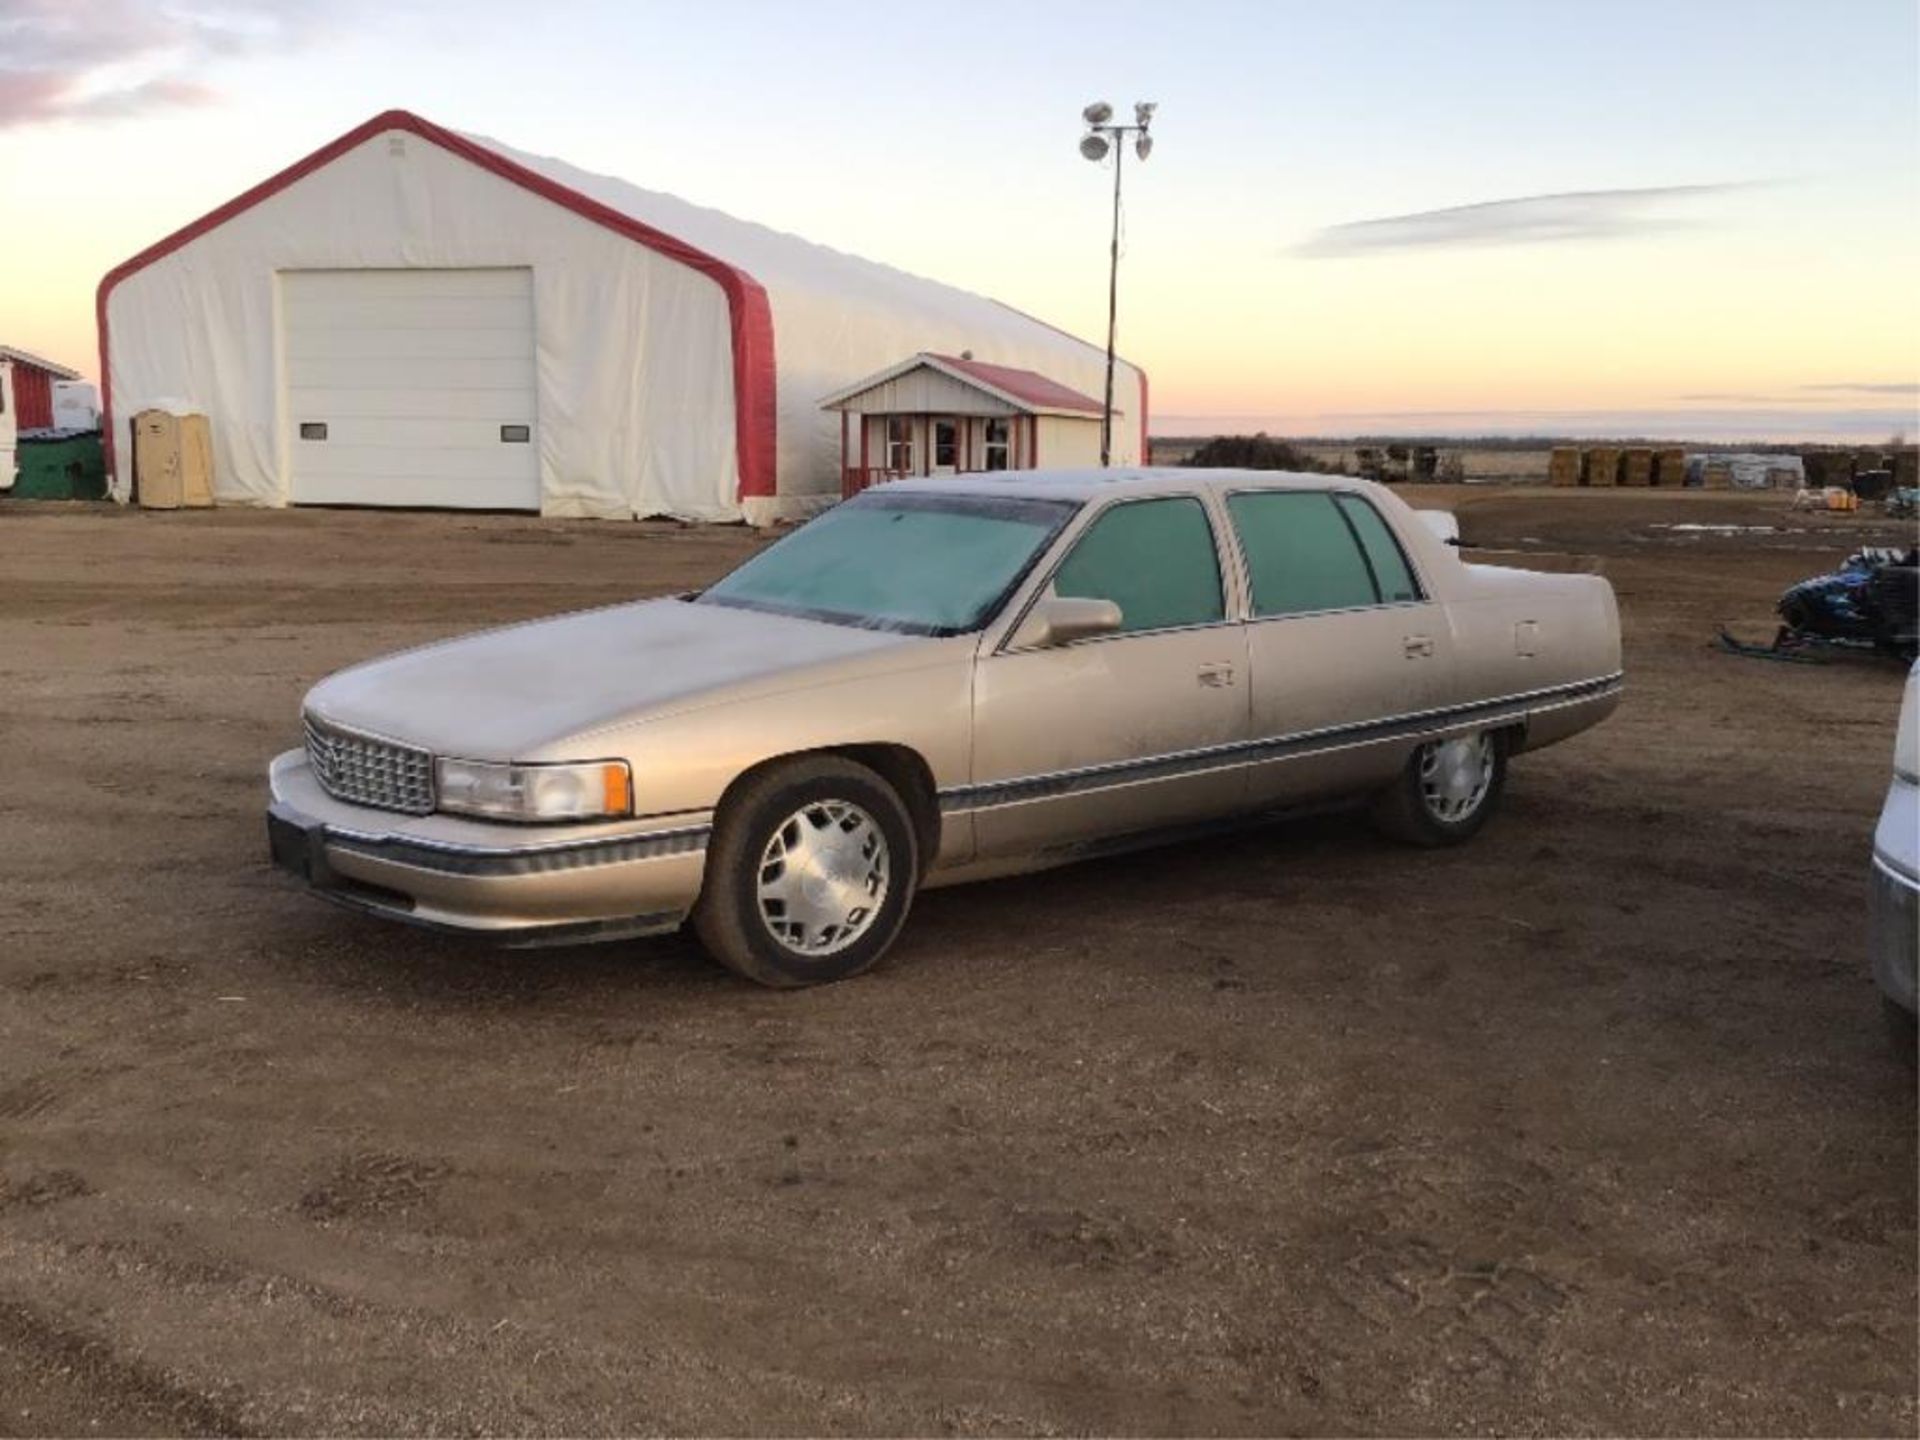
(1390, 569)
(1301, 554)
(1155, 559)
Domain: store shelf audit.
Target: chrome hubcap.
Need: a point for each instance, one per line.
(1455, 774)
(823, 877)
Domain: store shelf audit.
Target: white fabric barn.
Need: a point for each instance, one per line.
(415, 317)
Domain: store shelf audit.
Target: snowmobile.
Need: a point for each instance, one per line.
(1870, 602)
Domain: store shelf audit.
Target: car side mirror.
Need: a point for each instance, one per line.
(1060, 620)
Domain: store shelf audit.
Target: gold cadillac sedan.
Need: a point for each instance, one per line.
(937, 681)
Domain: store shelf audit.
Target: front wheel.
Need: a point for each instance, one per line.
(811, 871)
(1447, 791)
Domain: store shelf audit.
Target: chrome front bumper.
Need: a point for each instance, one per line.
(517, 884)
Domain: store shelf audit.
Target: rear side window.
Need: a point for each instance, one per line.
(1301, 554)
(1384, 556)
(1155, 559)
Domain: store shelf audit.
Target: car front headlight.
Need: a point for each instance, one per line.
(598, 790)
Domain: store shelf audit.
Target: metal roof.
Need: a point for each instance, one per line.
(1025, 390)
(1028, 387)
(27, 357)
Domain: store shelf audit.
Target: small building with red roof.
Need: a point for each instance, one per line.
(933, 414)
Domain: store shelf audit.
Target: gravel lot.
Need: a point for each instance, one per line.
(1590, 1126)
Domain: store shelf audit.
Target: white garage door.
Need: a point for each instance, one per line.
(411, 387)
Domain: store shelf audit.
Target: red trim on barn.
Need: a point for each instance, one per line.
(754, 403)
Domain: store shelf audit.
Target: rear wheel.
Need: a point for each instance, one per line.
(1447, 791)
(811, 872)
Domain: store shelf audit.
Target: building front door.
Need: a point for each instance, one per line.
(945, 447)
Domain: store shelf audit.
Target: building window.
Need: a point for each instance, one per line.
(900, 443)
(946, 445)
(999, 445)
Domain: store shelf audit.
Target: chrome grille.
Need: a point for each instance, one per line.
(364, 771)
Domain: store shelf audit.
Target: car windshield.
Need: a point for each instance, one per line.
(919, 564)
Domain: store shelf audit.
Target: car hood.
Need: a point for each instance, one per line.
(503, 694)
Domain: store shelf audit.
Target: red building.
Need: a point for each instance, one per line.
(33, 387)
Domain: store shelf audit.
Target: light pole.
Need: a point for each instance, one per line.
(1103, 135)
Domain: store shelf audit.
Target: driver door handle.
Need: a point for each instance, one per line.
(1217, 675)
(1418, 645)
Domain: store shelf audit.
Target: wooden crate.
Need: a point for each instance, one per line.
(1718, 476)
(1670, 468)
(1600, 466)
(1563, 465)
(1636, 466)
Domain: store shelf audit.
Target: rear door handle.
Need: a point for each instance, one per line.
(1217, 676)
(1418, 645)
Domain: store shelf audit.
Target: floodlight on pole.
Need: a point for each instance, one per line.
(1103, 136)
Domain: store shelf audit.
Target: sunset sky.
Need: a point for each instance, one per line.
(1691, 218)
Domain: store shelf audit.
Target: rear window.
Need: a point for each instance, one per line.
(1385, 558)
(1301, 553)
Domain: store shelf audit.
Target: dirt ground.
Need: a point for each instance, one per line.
(1590, 1126)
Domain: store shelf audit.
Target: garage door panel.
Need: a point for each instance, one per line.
(412, 343)
(401, 282)
(436, 312)
(356, 403)
(434, 432)
(415, 491)
(438, 462)
(394, 372)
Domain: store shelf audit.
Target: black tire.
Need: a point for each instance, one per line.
(729, 917)
(1403, 811)
(1903, 1031)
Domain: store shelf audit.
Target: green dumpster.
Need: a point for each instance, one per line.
(65, 467)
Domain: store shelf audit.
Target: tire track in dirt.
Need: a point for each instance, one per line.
(81, 1383)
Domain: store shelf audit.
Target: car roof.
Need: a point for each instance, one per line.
(1082, 485)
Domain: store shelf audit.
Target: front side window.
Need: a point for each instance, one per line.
(921, 565)
(1301, 553)
(946, 444)
(1155, 559)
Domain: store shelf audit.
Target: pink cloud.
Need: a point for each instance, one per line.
(108, 59)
